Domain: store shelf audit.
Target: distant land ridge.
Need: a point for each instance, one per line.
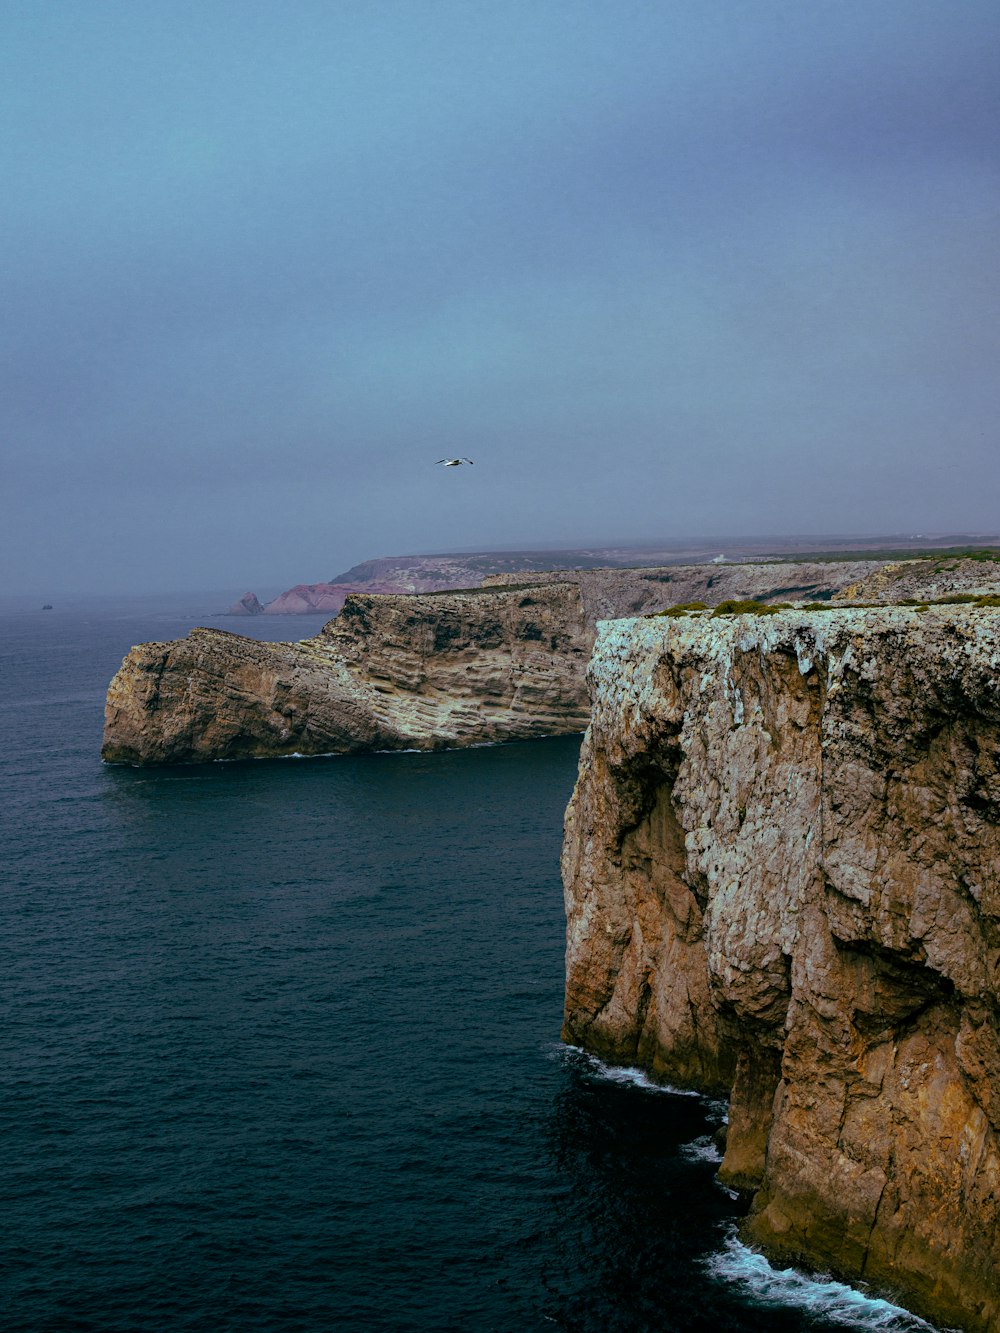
(429, 573)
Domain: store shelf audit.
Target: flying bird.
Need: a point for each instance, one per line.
(454, 462)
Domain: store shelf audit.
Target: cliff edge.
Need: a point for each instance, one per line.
(419, 671)
(390, 673)
(782, 878)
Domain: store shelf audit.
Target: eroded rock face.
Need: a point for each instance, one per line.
(447, 669)
(608, 593)
(782, 871)
(930, 576)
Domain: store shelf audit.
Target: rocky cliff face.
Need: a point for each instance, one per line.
(930, 576)
(447, 669)
(782, 871)
(616, 580)
(608, 593)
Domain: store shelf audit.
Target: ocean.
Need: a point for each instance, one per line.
(280, 1047)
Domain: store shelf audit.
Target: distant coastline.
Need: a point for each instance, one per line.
(410, 574)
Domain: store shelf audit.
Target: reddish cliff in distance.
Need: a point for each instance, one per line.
(310, 598)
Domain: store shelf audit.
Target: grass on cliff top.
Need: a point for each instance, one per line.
(727, 608)
(751, 608)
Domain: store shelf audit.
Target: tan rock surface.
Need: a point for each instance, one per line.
(445, 669)
(609, 593)
(930, 576)
(782, 871)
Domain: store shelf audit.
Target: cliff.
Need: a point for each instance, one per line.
(412, 671)
(609, 593)
(623, 595)
(446, 669)
(422, 574)
(929, 577)
(782, 877)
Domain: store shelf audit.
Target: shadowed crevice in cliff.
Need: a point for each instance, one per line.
(786, 829)
(890, 990)
(632, 1015)
(755, 1082)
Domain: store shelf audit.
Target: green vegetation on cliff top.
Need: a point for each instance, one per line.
(752, 608)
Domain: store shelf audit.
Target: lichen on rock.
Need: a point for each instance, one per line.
(782, 878)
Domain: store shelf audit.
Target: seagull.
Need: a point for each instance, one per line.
(454, 462)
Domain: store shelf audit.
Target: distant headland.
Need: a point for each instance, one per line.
(470, 569)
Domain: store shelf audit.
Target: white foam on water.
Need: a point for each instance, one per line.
(627, 1074)
(326, 754)
(835, 1302)
(700, 1150)
(718, 1110)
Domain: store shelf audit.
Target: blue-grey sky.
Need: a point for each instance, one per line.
(661, 269)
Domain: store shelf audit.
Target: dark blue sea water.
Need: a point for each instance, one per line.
(280, 1045)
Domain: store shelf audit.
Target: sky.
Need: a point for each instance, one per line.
(663, 270)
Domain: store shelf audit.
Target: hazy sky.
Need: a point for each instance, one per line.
(662, 268)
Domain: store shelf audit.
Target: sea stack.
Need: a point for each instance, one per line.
(248, 605)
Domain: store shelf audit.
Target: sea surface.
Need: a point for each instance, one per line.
(280, 1045)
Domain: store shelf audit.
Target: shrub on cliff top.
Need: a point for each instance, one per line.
(749, 608)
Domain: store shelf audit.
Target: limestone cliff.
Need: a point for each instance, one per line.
(445, 669)
(782, 876)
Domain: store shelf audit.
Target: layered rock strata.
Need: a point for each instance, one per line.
(441, 670)
(782, 877)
